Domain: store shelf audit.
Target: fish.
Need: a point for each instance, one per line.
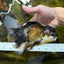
(32, 34)
(29, 35)
(3, 6)
(0, 3)
(6, 8)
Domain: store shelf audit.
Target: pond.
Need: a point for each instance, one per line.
(14, 8)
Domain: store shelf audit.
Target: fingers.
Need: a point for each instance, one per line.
(30, 10)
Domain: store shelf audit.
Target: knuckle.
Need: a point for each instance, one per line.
(39, 6)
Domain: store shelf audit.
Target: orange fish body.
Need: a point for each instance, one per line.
(6, 8)
(0, 3)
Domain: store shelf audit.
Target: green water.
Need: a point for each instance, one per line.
(32, 57)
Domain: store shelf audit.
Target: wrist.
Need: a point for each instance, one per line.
(55, 21)
(59, 11)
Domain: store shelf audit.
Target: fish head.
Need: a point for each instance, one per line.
(49, 34)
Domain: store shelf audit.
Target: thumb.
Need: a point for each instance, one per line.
(30, 10)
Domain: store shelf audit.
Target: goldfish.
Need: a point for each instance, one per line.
(6, 8)
(0, 3)
(3, 6)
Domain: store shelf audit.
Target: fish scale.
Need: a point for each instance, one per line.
(29, 35)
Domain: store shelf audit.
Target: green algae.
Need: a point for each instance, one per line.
(60, 33)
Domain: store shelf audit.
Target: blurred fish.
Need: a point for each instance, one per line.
(3, 6)
(0, 3)
(6, 8)
(29, 35)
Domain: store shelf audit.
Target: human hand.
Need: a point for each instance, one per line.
(43, 14)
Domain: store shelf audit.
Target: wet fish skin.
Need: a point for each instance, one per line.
(29, 35)
(33, 35)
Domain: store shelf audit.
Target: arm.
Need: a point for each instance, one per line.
(60, 14)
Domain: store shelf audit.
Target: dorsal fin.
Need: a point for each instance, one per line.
(30, 24)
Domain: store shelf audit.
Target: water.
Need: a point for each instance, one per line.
(14, 9)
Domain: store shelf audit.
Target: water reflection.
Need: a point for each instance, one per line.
(36, 59)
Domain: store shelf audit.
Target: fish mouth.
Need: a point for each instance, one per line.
(47, 39)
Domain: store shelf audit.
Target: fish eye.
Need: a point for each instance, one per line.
(46, 31)
(52, 33)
